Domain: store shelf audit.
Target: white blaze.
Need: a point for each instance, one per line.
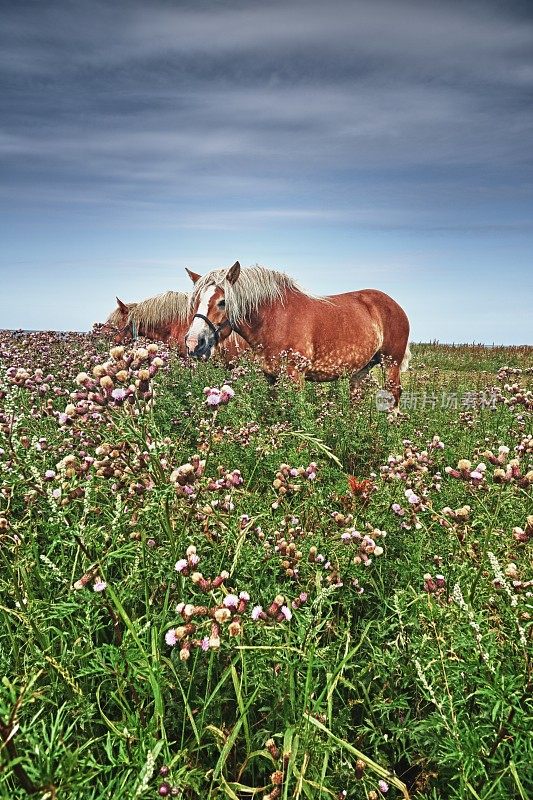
(199, 326)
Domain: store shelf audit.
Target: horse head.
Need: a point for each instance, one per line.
(210, 322)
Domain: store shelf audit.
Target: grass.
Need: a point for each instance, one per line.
(393, 638)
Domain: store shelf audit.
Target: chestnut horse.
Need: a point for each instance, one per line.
(164, 318)
(313, 338)
(116, 324)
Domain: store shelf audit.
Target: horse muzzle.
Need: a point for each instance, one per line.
(198, 348)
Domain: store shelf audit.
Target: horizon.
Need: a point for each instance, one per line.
(434, 342)
(379, 144)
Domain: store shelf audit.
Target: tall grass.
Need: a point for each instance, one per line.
(263, 625)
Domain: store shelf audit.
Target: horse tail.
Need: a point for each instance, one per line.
(404, 366)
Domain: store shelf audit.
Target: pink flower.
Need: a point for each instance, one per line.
(205, 643)
(170, 637)
(226, 393)
(231, 601)
(476, 475)
(383, 786)
(118, 394)
(99, 585)
(256, 612)
(212, 396)
(49, 474)
(244, 596)
(287, 613)
(181, 565)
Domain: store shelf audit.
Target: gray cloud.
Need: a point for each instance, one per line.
(375, 106)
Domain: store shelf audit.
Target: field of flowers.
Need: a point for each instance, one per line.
(211, 588)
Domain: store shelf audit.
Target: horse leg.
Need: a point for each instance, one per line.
(357, 378)
(394, 385)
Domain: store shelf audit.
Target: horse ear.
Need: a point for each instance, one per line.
(192, 275)
(233, 272)
(123, 307)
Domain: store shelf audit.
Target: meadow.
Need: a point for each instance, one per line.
(212, 588)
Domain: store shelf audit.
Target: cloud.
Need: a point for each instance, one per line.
(193, 127)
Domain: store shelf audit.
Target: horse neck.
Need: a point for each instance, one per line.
(177, 331)
(254, 330)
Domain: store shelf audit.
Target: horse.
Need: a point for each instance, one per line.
(117, 321)
(310, 337)
(165, 318)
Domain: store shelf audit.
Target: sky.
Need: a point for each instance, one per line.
(350, 143)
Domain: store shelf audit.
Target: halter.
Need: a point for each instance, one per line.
(134, 329)
(215, 329)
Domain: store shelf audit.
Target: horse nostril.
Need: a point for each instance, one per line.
(191, 345)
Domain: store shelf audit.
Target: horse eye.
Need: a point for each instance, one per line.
(221, 304)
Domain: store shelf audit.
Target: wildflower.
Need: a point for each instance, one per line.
(188, 610)
(82, 378)
(170, 637)
(231, 601)
(212, 396)
(118, 394)
(257, 611)
(99, 585)
(222, 615)
(234, 628)
(205, 643)
(287, 613)
(226, 393)
(360, 767)
(278, 602)
(383, 786)
(49, 474)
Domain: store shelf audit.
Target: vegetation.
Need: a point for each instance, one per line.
(212, 588)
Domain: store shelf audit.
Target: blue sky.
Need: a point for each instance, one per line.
(377, 143)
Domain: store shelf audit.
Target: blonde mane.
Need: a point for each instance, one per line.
(115, 318)
(254, 287)
(161, 309)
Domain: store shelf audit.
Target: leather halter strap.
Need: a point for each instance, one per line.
(215, 329)
(134, 329)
